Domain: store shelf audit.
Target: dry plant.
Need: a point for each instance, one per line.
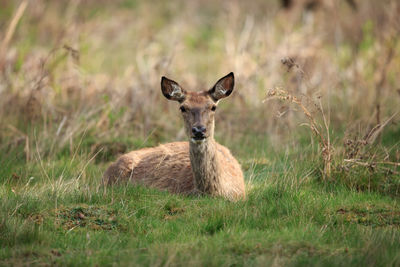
(355, 150)
(359, 151)
(319, 131)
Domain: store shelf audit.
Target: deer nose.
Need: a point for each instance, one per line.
(198, 131)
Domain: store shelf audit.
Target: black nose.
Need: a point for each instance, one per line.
(198, 131)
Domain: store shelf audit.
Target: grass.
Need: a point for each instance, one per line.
(79, 85)
(51, 213)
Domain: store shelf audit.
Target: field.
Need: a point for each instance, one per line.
(314, 121)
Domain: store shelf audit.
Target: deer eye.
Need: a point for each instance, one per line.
(182, 108)
(213, 108)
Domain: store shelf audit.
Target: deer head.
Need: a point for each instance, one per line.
(198, 108)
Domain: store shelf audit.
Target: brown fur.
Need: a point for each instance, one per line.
(204, 166)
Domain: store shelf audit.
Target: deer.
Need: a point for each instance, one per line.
(200, 166)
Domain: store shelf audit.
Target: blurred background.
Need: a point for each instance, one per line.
(88, 72)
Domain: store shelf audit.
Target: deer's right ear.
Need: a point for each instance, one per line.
(172, 90)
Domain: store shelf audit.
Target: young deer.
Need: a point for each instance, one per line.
(198, 166)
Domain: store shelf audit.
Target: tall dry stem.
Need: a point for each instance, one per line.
(10, 31)
(322, 134)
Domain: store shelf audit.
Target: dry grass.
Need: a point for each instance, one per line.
(319, 131)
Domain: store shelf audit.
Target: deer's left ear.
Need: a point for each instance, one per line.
(223, 87)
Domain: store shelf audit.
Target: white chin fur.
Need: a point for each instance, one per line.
(197, 142)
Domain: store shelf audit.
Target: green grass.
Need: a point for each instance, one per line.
(63, 216)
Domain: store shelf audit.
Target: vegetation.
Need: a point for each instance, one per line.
(314, 122)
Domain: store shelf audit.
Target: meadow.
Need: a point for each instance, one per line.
(313, 121)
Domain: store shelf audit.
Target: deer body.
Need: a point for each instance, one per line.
(198, 166)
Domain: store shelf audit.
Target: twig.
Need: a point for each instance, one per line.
(359, 162)
(10, 31)
(373, 134)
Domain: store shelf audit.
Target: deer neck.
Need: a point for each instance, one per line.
(205, 166)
